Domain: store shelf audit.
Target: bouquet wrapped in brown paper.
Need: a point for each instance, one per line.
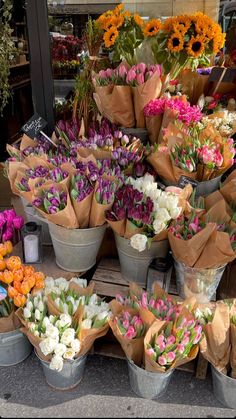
(215, 346)
(168, 345)
(233, 339)
(193, 83)
(53, 203)
(102, 200)
(9, 323)
(129, 330)
(81, 193)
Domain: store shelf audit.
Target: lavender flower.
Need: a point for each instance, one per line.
(105, 191)
(80, 187)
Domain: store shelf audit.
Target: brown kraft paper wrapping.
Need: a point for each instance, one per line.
(188, 251)
(66, 217)
(86, 154)
(80, 290)
(233, 341)
(98, 211)
(218, 213)
(131, 229)
(9, 323)
(35, 161)
(13, 168)
(116, 104)
(153, 125)
(215, 346)
(82, 210)
(169, 116)
(212, 199)
(178, 172)
(133, 348)
(217, 252)
(27, 142)
(147, 91)
(118, 226)
(228, 191)
(13, 151)
(161, 163)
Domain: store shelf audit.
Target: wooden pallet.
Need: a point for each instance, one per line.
(109, 282)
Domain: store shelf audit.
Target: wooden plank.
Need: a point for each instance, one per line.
(109, 290)
(109, 276)
(110, 264)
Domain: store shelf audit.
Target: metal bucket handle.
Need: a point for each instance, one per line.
(7, 339)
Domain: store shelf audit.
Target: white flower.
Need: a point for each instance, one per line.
(37, 314)
(52, 331)
(159, 226)
(36, 333)
(65, 308)
(75, 345)
(29, 305)
(60, 349)
(40, 306)
(49, 282)
(198, 313)
(69, 354)
(80, 281)
(102, 315)
(86, 324)
(139, 242)
(56, 363)
(52, 319)
(175, 212)
(65, 320)
(26, 313)
(93, 299)
(48, 345)
(46, 321)
(70, 298)
(36, 300)
(207, 312)
(62, 284)
(68, 336)
(163, 215)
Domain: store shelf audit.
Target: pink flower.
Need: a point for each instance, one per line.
(144, 300)
(102, 74)
(137, 322)
(140, 68)
(122, 71)
(162, 360)
(170, 340)
(193, 227)
(185, 340)
(162, 346)
(180, 348)
(120, 299)
(9, 216)
(131, 333)
(8, 234)
(150, 352)
(140, 78)
(151, 302)
(125, 323)
(159, 339)
(170, 356)
(213, 104)
(131, 76)
(109, 72)
(18, 222)
(2, 219)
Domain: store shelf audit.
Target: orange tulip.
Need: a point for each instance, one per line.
(39, 279)
(17, 285)
(19, 300)
(3, 249)
(1, 276)
(18, 274)
(31, 280)
(14, 263)
(7, 277)
(25, 287)
(2, 265)
(28, 270)
(12, 292)
(9, 247)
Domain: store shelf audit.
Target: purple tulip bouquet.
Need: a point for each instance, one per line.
(103, 198)
(81, 193)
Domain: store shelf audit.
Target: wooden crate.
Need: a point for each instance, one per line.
(109, 282)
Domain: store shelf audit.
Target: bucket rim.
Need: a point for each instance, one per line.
(220, 374)
(69, 361)
(137, 368)
(199, 182)
(126, 239)
(15, 331)
(104, 226)
(199, 269)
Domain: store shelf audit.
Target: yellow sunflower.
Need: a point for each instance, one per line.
(175, 42)
(110, 36)
(118, 9)
(184, 20)
(218, 42)
(168, 24)
(152, 27)
(196, 46)
(138, 20)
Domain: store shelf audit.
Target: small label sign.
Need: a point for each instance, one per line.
(185, 180)
(33, 127)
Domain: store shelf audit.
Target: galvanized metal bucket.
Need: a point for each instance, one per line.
(76, 249)
(195, 282)
(70, 375)
(224, 388)
(134, 264)
(203, 188)
(14, 348)
(148, 384)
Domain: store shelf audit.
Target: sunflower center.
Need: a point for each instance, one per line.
(175, 42)
(196, 46)
(152, 29)
(111, 36)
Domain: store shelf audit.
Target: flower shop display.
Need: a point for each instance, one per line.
(10, 225)
(62, 323)
(65, 52)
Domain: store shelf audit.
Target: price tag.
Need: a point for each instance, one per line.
(185, 180)
(33, 127)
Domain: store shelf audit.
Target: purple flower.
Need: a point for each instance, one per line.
(2, 219)
(52, 210)
(8, 234)
(9, 216)
(55, 201)
(37, 202)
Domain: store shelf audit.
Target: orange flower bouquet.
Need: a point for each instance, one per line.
(17, 281)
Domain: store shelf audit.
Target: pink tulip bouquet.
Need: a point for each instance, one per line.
(173, 344)
(10, 225)
(130, 326)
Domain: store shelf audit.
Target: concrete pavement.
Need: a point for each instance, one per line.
(103, 392)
